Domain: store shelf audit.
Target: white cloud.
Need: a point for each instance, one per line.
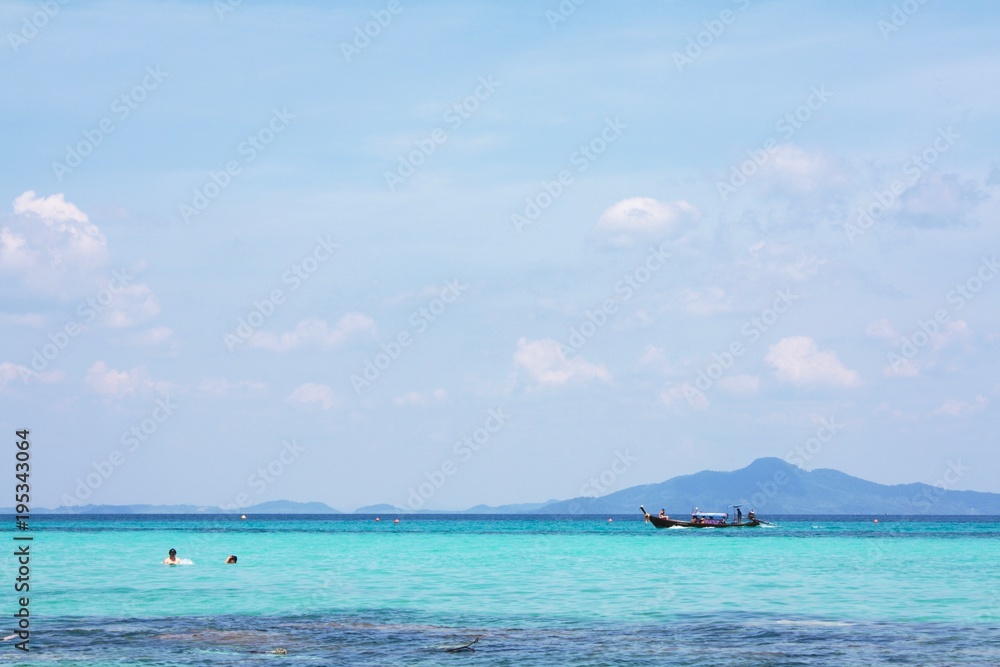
(111, 383)
(684, 394)
(793, 170)
(653, 355)
(221, 387)
(311, 393)
(799, 361)
(645, 217)
(903, 365)
(781, 260)
(153, 337)
(53, 208)
(882, 329)
(23, 320)
(741, 385)
(956, 408)
(710, 301)
(10, 372)
(132, 305)
(901, 368)
(546, 364)
(938, 200)
(315, 332)
(953, 331)
(415, 398)
(51, 247)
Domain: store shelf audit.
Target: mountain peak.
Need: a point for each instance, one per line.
(774, 486)
(771, 463)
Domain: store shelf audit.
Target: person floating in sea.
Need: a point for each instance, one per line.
(171, 558)
(231, 559)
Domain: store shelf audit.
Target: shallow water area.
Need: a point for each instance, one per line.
(534, 589)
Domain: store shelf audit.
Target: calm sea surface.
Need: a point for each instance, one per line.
(345, 590)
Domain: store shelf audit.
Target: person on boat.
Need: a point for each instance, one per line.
(739, 515)
(663, 513)
(751, 515)
(231, 559)
(171, 558)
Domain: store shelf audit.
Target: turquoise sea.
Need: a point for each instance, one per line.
(535, 590)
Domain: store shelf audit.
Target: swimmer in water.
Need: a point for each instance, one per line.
(171, 558)
(231, 559)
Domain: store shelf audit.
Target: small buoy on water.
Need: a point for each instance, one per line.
(376, 519)
(609, 520)
(396, 521)
(243, 516)
(874, 520)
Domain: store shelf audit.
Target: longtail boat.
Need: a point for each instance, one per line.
(704, 520)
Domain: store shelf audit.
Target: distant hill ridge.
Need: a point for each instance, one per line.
(769, 485)
(270, 507)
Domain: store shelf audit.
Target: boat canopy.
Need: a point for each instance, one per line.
(711, 515)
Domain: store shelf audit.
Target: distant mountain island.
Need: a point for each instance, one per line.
(768, 485)
(519, 508)
(773, 486)
(270, 507)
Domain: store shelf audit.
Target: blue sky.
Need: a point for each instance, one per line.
(495, 252)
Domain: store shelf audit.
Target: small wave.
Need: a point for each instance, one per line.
(817, 624)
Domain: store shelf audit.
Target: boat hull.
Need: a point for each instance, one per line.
(675, 523)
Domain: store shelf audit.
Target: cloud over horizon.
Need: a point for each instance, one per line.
(798, 360)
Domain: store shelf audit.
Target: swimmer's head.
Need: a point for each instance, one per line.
(231, 559)
(172, 552)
